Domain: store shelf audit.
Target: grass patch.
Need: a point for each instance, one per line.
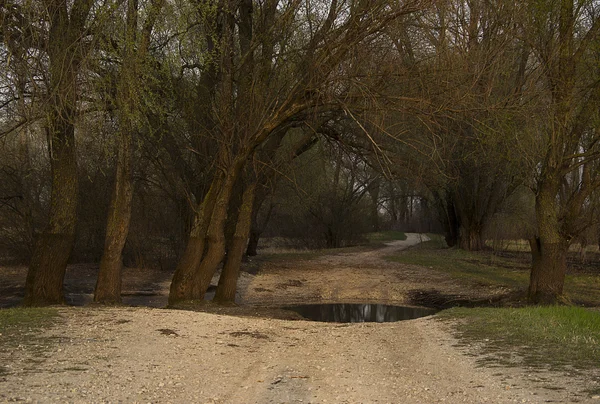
(488, 268)
(20, 329)
(384, 236)
(555, 337)
(482, 268)
(20, 319)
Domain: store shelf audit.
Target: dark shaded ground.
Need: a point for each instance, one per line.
(141, 287)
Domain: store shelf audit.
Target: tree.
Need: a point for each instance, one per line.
(274, 64)
(64, 47)
(563, 35)
(458, 117)
(129, 96)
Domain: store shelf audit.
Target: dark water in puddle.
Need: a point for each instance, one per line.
(360, 313)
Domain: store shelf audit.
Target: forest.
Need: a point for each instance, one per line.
(178, 134)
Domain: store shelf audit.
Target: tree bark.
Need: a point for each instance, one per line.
(471, 238)
(451, 223)
(252, 249)
(549, 249)
(182, 284)
(548, 269)
(215, 236)
(228, 281)
(44, 284)
(108, 285)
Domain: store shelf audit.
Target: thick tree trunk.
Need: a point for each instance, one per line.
(549, 249)
(228, 281)
(471, 238)
(108, 285)
(215, 237)
(44, 284)
(183, 279)
(548, 269)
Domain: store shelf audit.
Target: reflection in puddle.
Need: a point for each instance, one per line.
(360, 313)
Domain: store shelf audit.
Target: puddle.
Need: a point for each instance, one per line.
(360, 313)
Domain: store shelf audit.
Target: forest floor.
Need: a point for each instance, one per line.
(244, 355)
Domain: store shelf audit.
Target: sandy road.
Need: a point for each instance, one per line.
(166, 356)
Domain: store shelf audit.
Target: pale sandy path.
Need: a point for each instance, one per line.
(147, 355)
(118, 355)
(350, 277)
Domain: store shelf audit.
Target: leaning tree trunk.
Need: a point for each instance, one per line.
(108, 285)
(257, 227)
(228, 281)
(549, 249)
(183, 279)
(215, 236)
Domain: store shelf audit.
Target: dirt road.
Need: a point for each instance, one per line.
(166, 356)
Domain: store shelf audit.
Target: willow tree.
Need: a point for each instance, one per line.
(479, 59)
(564, 36)
(274, 62)
(64, 47)
(130, 97)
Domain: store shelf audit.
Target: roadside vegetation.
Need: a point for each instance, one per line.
(558, 338)
(20, 329)
(385, 236)
(509, 268)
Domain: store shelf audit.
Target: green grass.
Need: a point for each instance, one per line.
(479, 268)
(489, 269)
(384, 236)
(555, 337)
(20, 329)
(18, 319)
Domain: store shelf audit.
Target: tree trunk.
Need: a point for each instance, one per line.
(252, 249)
(471, 238)
(228, 281)
(451, 224)
(215, 237)
(332, 238)
(548, 269)
(549, 249)
(108, 285)
(182, 284)
(44, 284)
(257, 227)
